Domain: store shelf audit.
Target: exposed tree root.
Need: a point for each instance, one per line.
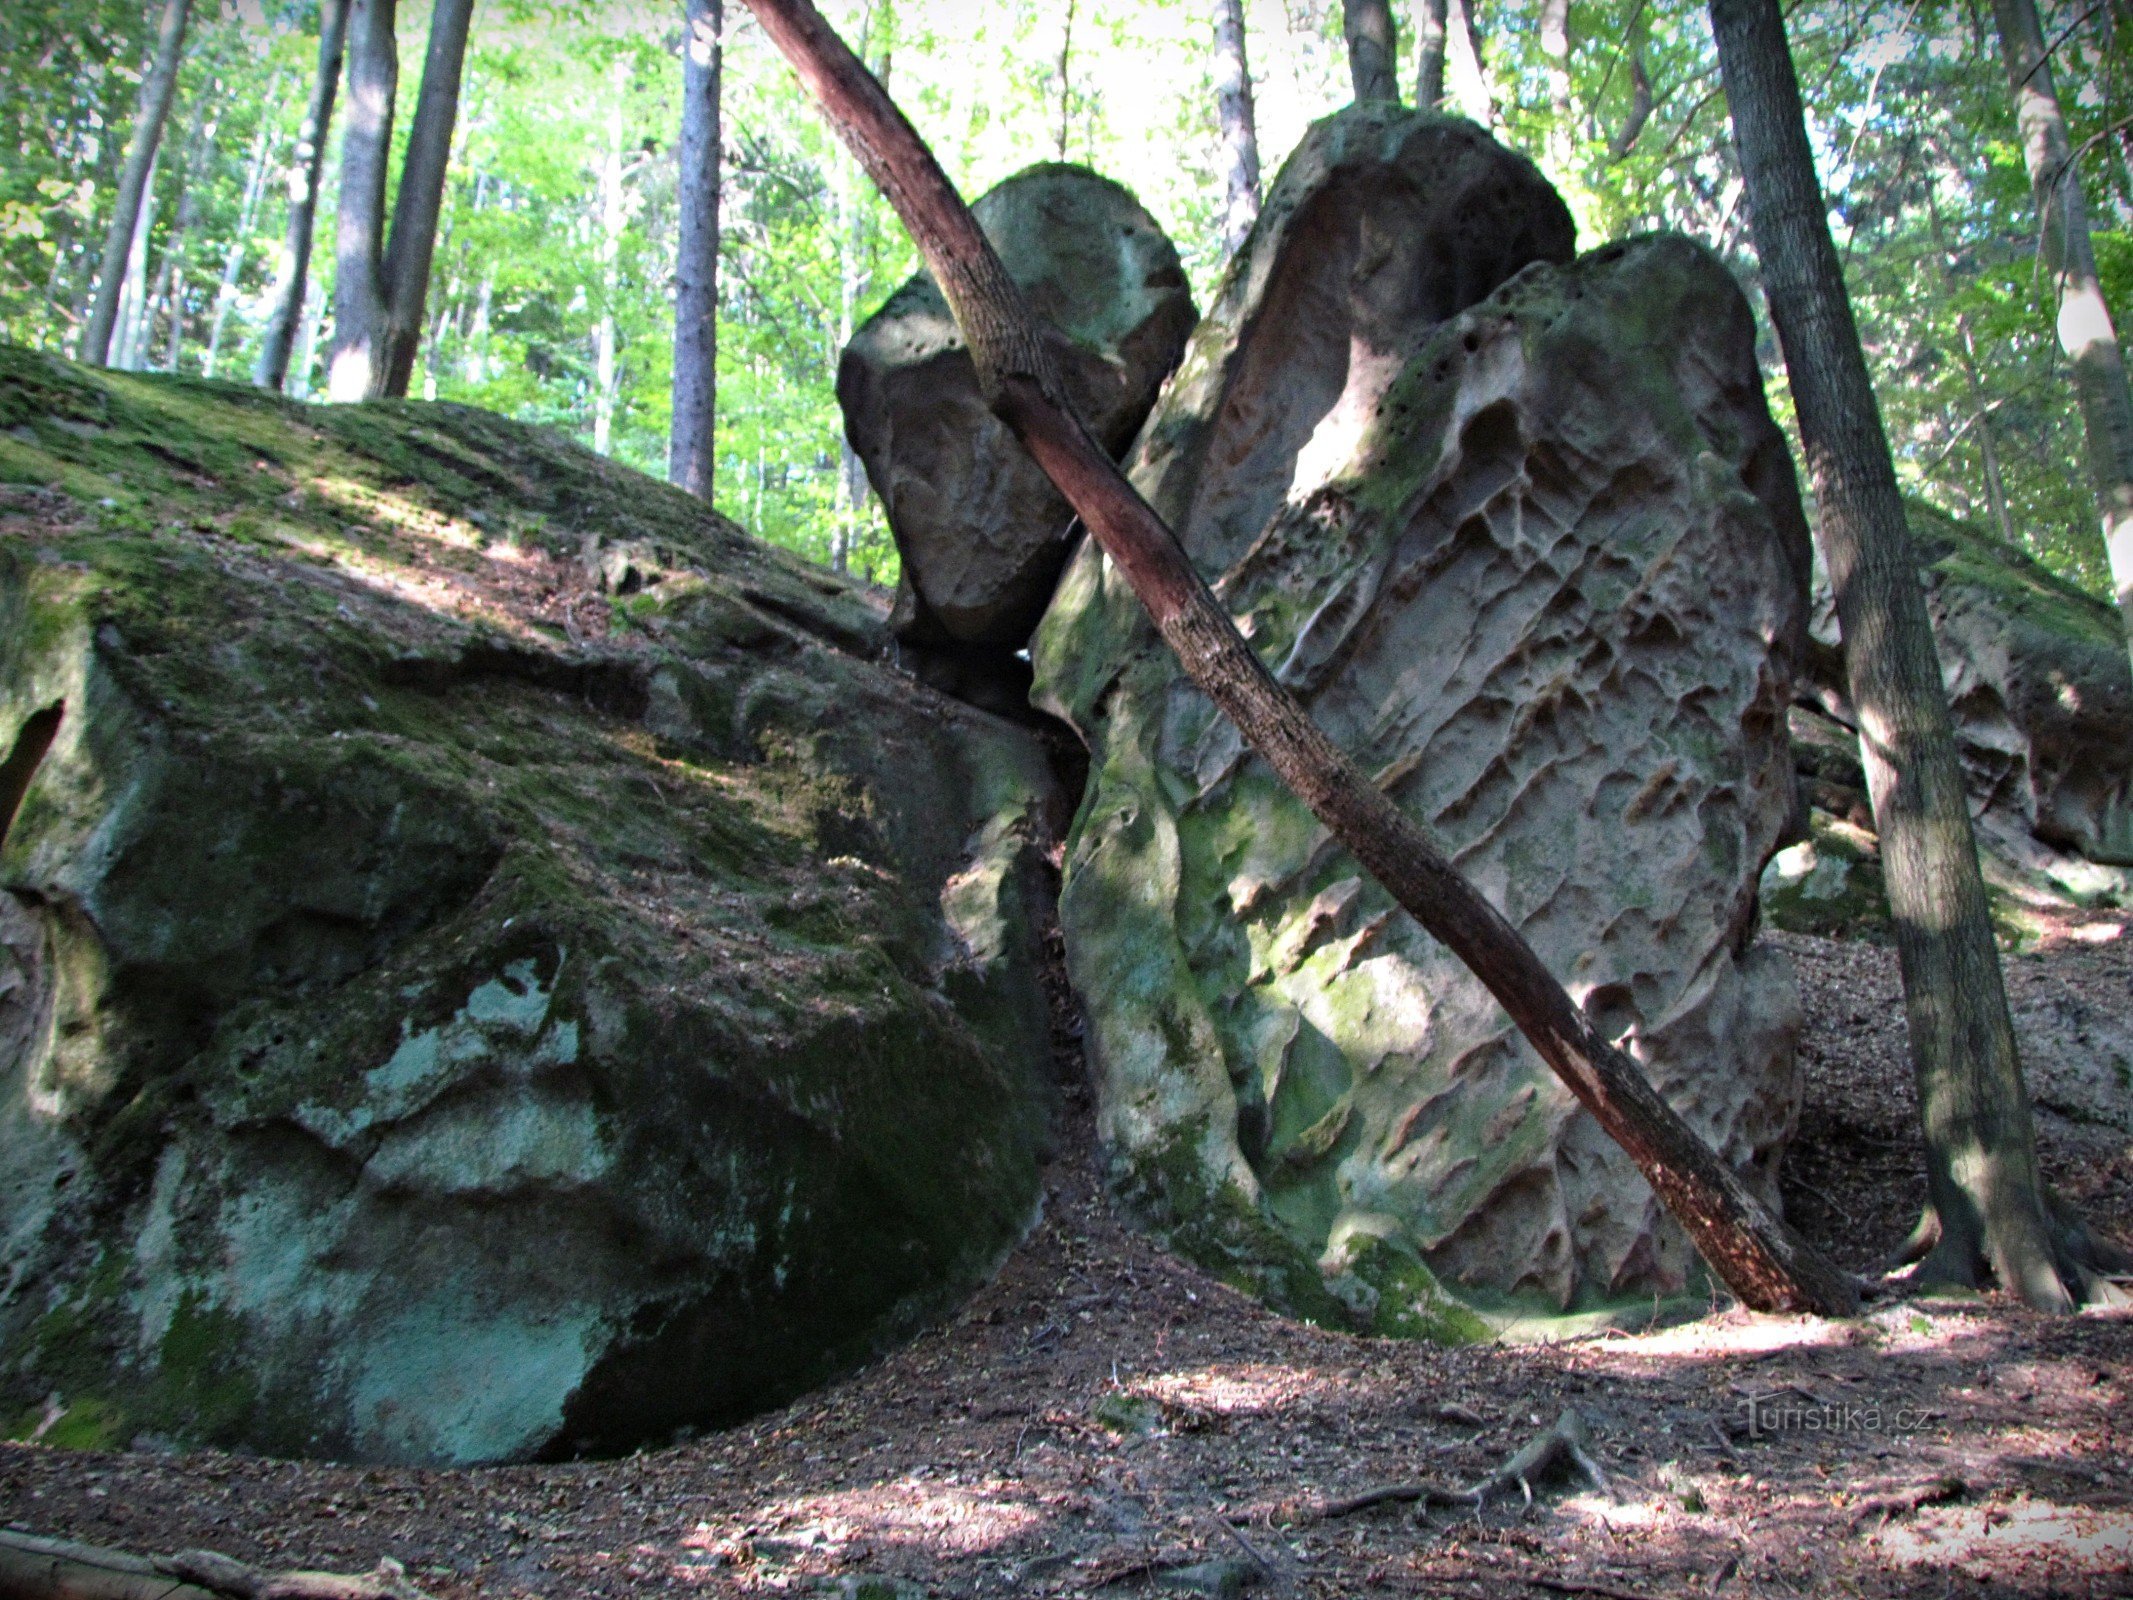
(2083, 1270)
(1565, 1447)
(57, 1569)
(1904, 1501)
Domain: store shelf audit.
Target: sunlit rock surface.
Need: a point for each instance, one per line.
(1542, 567)
(452, 1009)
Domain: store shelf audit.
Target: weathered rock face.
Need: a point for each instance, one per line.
(2038, 681)
(448, 1013)
(981, 531)
(1549, 578)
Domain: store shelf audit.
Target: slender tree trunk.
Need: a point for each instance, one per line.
(356, 365)
(692, 437)
(307, 346)
(1066, 78)
(2085, 330)
(420, 201)
(1431, 21)
(133, 287)
(1367, 26)
(255, 185)
(1479, 100)
(1240, 131)
(1763, 1262)
(1988, 1207)
(1640, 105)
(474, 358)
(292, 276)
(606, 371)
(156, 91)
(171, 293)
(852, 275)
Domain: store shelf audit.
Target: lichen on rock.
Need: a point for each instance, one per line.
(492, 964)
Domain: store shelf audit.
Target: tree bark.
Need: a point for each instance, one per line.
(1555, 51)
(125, 351)
(692, 436)
(1756, 1255)
(1240, 129)
(355, 366)
(154, 110)
(2086, 333)
(292, 276)
(1367, 26)
(1988, 1207)
(420, 200)
(1431, 24)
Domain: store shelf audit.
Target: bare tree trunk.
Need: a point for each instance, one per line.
(420, 200)
(292, 276)
(1431, 20)
(2085, 330)
(133, 289)
(1240, 131)
(154, 109)
(255, 185)
(1640, 105)
(307, 346)
(1481, 103)
(692, 437)
(1988, 1209)
(1757, 1256)
(852, 275)
(356, 365)
(171, 292)
(1367, 26)
(606, 372)
(1066, 78)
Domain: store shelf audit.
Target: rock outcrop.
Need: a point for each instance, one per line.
(449, 1012)
(2042, 696)
(980, 530)
(1543, 567)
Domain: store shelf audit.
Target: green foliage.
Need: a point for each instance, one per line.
(1908, 106)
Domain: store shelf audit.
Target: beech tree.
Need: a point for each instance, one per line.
(382, 280)
(141, 151)
(692, 435)
(2068, 256)
(1368, 27)
(1988, 1216)
(1432, 18)
(1240, 132)
(293, 275)
(1752, 1251)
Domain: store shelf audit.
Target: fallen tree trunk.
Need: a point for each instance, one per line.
(1762, 1261)
(58, 1569)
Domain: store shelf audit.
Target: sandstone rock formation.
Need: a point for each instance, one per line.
(437, 1024)
(1543, 566)
(980, 530)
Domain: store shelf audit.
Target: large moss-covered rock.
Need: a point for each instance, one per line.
(452, 1009)
(980, 530)
(1552, 587)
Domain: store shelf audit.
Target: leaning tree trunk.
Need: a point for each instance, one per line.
(1367, 26)
(1989, 1214)
(1240, 130)
(2085, 330)
(293, 275)
(1432, 21)
(355, 367)
(1757, 1256)
(420, 201)
(154, 110)
(692, 435)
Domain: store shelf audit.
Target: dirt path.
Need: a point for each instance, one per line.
(1103, 1419)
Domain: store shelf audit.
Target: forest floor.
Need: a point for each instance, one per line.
(1104, 1420)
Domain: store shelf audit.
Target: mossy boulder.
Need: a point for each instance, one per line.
(492, 964)
(2041, 690)
(1542, 568)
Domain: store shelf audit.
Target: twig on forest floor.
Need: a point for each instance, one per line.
(1905, 1501)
